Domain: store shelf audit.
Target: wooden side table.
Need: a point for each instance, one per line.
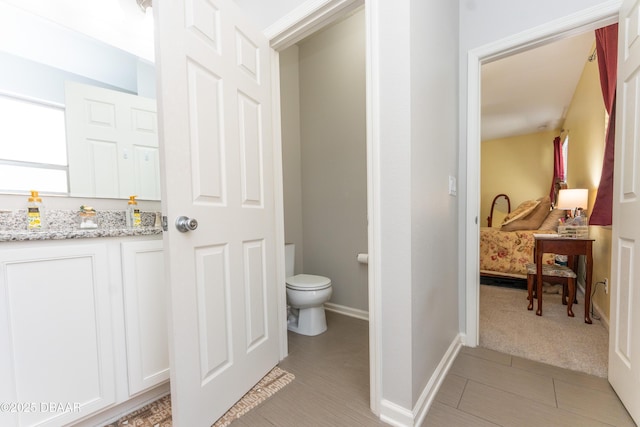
(564, 246)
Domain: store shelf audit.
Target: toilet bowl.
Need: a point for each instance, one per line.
(306, 295)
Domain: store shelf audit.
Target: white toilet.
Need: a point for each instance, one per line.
(306, 295)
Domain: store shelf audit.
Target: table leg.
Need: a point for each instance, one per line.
(587, 297)
(530, 291)
(571, 284)
(539, 281)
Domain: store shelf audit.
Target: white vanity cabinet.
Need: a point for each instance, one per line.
(145, 314)
(82, 328)
(56, 332)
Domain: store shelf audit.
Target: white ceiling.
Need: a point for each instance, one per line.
(530, 92)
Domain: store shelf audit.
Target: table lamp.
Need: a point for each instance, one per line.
(573, 199)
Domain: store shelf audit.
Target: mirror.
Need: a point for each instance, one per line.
(40, 61)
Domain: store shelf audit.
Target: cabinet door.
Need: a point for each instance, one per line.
(145, 314)
(56, 358)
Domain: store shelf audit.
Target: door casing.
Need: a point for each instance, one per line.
(590, 20)
(302, 22)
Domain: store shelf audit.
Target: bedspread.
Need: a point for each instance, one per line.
(508, 252)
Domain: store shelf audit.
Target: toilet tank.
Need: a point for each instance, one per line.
(289, 259)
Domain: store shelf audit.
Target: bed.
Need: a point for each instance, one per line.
(507, 246)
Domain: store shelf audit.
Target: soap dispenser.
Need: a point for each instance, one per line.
(133, 213)
(35, 213)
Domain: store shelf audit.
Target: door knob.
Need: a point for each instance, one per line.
(184, 224)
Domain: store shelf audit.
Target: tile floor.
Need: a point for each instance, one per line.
(487, 388)
(332, 381)
(483, 388)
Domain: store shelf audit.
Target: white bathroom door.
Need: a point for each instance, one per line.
(624, 333)
(217, 159)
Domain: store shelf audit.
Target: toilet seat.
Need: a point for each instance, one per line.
(308, 282)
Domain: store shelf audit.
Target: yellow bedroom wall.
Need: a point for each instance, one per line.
(519, 166)
(585, 122)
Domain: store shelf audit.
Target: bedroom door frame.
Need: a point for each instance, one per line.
(587, 20)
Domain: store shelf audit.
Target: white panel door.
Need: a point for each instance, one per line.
(624, 334)
(112, 140)
(145, 306)
(56, 337)
(216, 148)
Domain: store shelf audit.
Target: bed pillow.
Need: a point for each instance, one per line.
(523, 209)
(498, 218)
(533, 219)
(551, 221)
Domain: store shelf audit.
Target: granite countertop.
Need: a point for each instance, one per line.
(63, 225)
(24, 235)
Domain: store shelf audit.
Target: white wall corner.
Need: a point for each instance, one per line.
(279, 202)
(397, 415)
(463, 339)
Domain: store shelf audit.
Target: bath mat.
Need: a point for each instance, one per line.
(158, 413)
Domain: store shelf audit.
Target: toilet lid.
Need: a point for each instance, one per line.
(308, 282)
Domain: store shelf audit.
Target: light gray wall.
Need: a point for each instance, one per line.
(392, 90)
(291, 158)
(31, 79)
(434, 157)
(332, 132)
(482, 23)
(416, 88)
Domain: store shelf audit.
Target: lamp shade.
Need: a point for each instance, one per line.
(573, 198)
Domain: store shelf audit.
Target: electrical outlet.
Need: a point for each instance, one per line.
(606, 285)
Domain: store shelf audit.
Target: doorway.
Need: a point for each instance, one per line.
(554, 90)
(511, 45)
(324, 159)
(359, 304)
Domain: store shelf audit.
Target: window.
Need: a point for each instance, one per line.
(33, 151)
(565, 156)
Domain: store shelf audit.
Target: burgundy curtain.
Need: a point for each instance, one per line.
(558, 168)
(607, 48)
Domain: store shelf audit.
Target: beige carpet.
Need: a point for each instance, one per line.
(158, 413)
(554, 338)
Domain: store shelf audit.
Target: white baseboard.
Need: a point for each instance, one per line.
(395, 415)
(463, 339)
(347, 311)
(435, 382)
(398, 416)
(114, 413)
